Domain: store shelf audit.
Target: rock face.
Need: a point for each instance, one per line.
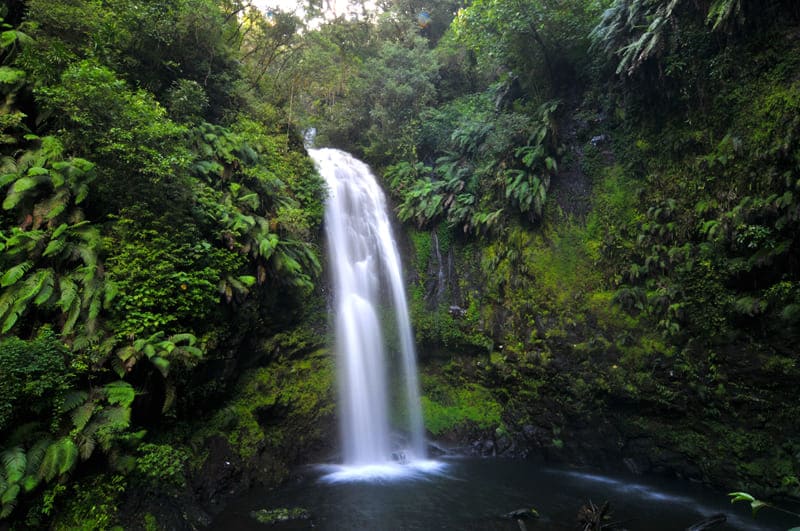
(279, 416)
(576, 378)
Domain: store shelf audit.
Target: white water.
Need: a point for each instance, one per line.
(366, 268)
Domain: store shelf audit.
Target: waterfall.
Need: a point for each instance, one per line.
(366, 271)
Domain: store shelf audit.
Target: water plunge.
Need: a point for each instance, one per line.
(366, 268)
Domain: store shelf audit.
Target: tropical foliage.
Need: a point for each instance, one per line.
(146, 201)
(600, 198)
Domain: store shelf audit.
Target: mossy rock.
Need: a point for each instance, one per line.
(273, 516)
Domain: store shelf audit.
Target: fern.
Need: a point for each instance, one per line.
(35, 455)
(59, 459)
(86, 445)
(14, 461)
(9, 500)
(119, 393)
(161, 364)
(12, 275)
(73, 399)
(169, 397)
(724, 13)
(634, 31)
(73, 314)
(12, 316)
(81, 415)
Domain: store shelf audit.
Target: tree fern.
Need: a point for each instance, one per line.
(14, 462)
(86, 445)
(73, 399)
(69, 294)
(34, 457)
(73, 313)
(59, 459)
(13, 274)
(634, 31)
(9, 500)
(120, 393)
(81, 415)
(169, 396)
(161, 364)
(724, 13)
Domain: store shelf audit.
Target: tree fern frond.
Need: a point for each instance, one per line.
(14, 461)
(12, 275)
(162, 364)
(119, 392)
(169, 397)
(69, 454)
(35, 177)
(58, 231)
(110, 291)
(6, 178)
(55, 205)
(54, 247)
(116, 418)
(12, 200)
(81, 415)
(191, 339)
(47, 284)
(73, 399)
(11, 318)
(59, 459)
(30, 482)
(192, 351)
(8, 499)
(86, 445)
(118, 366)
(69, 293)
(72, 317)
(35, 455)
(95, 306)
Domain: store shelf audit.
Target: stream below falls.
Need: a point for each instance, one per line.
(467, 493)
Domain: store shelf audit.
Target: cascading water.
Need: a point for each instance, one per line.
(366, 265)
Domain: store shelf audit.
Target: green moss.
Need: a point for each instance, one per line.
(274, 516)
(276, 407)
(422, 242)
(162, 464)
(446, 408)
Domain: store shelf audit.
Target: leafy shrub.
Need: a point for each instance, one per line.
(35, 377)
(162, 464)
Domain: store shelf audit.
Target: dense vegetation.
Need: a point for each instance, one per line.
(157, 211)
(609, 189)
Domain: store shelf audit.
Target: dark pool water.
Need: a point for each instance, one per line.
(470, 493)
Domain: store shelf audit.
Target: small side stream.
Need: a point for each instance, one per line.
(470, 493)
